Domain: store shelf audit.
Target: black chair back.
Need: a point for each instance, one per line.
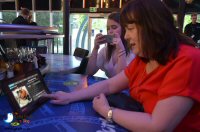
(83, 66)
(79, 52)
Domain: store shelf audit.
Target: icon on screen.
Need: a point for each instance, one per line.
(9, 118)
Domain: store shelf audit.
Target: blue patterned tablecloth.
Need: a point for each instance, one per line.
(74, 117)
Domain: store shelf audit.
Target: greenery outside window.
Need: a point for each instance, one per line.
(8, 16)
(43, 18)
(58, 22)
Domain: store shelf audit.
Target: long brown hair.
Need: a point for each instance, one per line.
(156, 29)
(115, 16)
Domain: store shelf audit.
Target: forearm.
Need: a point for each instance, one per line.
(134, 121)
(175, 109)
(91, 66)
(91, 91)
(121, 61)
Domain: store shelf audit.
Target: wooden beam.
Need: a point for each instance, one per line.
(66, 46)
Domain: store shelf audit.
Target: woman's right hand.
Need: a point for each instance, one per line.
(60, 97)
(99, 39)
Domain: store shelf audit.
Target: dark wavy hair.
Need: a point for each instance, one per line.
(25, 11)
(157, 33)
(115, 16)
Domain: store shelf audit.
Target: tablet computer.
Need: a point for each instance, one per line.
(25, 91)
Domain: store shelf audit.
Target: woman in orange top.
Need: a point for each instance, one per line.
(163, 76)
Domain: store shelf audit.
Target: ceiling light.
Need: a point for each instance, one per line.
(188, 1)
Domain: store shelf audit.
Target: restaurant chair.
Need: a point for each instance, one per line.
(79, 52)
(41, 49)
(83, 66)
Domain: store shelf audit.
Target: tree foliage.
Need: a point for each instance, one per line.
(58, 21)
(43, 18)
(8, 17)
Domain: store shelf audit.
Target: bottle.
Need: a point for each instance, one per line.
(10, 72)
(114, 3)
(2, 70)
(98, 3)
(105, 3)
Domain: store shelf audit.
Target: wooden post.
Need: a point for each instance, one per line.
(66, 14)
(181, 14)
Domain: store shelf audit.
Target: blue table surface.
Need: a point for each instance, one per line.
(74, 117)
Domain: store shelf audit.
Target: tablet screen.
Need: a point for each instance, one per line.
(25, 91)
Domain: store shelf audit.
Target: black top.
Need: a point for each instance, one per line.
(20, 20)
(33, 23)
(193, 31)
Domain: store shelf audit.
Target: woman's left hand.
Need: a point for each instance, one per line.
(118, 42)
(100, 105)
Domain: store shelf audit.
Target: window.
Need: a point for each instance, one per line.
(8, 16)
(43, 18)
(58, 22)
(83, 29)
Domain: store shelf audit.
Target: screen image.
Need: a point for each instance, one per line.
(27, 90)
(22, 96)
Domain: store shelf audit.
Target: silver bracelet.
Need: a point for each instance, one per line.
(110, 115)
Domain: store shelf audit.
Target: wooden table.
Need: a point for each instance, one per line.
(62, 63)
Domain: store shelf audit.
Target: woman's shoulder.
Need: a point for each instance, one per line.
(137, 61)
(130, 57)
(187, 55)
(189, 52)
